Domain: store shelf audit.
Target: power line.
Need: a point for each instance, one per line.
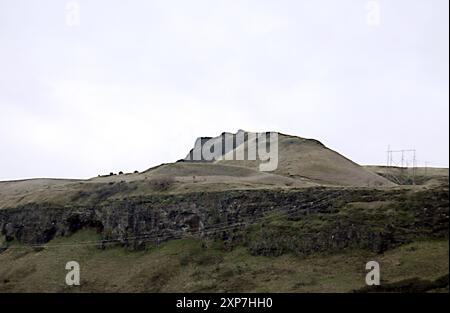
(404, 161)
(180, 234)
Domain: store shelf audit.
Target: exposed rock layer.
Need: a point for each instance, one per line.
(316, 219)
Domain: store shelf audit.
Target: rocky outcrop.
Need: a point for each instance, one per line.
(310, 220)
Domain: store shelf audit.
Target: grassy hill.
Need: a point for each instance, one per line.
(302, 163)
(309, 226)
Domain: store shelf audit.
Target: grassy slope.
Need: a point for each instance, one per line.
(302, 163)
(187, 265)
(309, 159)
(182, 177)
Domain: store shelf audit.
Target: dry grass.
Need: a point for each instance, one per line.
(309, 159)
(188, 266)
(302, 163)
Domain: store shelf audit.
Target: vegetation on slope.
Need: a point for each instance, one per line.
(191, 265)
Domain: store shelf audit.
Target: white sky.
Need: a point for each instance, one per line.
(137, 81)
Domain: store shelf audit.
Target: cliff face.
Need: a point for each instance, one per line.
(267, 222)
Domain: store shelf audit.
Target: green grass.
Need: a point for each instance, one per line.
(190, 265)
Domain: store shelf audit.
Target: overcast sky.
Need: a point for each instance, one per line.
(89, 87)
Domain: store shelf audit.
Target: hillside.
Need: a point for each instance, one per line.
(188, 266)
(302, 163)
(315, 240)
(309, 159)
(224, 225)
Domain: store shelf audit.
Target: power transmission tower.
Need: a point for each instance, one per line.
(407, 155)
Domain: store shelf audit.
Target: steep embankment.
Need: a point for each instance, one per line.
(317, 219)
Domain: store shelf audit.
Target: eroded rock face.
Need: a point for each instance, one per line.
(314, 219)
